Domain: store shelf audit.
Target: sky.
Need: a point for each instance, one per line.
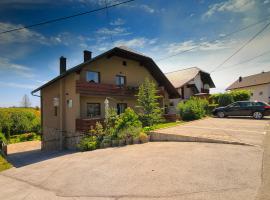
(156, 28)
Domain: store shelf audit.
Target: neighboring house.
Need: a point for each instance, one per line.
(258, 84)
(190, 82)
(73, 101)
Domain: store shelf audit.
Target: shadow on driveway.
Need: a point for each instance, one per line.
(22, 159)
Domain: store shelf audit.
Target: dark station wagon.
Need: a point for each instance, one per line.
(256, 109)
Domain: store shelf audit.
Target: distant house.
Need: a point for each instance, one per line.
(73, 101)
(258, 84)
(190, 82)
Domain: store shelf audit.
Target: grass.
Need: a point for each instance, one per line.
(167, 125)
(4, 164)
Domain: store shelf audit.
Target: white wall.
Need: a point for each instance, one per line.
(256, 90)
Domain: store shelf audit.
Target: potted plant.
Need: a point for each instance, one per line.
(107, 141)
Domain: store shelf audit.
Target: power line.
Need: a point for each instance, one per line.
(242, 47)
(66, 17)
(108, 19)
(223, 36)
(245, 61)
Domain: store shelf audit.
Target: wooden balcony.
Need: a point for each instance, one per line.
(98, 89)
(101, 89)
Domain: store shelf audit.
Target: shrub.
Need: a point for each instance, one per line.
(225, 99)
(3, 138)
(240, 95)
(24, 137)
(128, 119)
(194, 108)
(88, 143)
(143, 137)
(150, 112)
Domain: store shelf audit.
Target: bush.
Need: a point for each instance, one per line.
(24, 137)
(225, 99)
(88, 143)
(128, 119)
(240, 95)
(19, 120)
(211, 107)
(3, 138)
(143, 137)
(194, 108)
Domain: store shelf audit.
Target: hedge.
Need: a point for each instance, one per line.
(19, 120)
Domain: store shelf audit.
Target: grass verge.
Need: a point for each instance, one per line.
(167, 125)
(4, 164)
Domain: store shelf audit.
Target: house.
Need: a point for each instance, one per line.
(258, 84)
(190, 82)
(74, 101)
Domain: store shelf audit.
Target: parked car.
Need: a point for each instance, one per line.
(256, 109)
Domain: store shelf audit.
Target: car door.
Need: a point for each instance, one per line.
(245, 108)
(232, 109)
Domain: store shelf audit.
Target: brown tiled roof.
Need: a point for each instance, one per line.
(125, 53)
(256, 79)
(181, 77)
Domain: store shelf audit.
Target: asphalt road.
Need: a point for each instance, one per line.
(156, 170)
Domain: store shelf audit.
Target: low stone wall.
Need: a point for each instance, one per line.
(55, 140)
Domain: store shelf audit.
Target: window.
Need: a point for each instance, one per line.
(93, 110)
(55, 110)
(234, 105)
(261, 93)
(121, 107)
(120, 80)
(69, 103)
(245, 104)
(124, 63)
(93, 77)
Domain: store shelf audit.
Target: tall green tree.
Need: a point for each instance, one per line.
(150, 112)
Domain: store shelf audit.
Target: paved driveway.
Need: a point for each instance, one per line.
(156, 170)
(241, 130)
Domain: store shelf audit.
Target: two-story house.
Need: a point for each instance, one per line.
(73, 101)
(189, 82)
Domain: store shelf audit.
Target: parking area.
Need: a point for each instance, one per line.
(155, 170)
(241, 130)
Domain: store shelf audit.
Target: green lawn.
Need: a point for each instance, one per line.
(167, 125)
(4, 164)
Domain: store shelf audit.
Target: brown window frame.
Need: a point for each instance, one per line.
(95, 115)
(93, 72)
(121, 76)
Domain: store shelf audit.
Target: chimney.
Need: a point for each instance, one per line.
(63, 65)
(240, 78)
(87, 55)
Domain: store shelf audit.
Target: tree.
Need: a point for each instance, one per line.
(150, 112)
(25, 102)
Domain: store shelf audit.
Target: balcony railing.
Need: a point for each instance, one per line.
(102, 89)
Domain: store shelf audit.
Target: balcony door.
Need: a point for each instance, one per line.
(121, 107)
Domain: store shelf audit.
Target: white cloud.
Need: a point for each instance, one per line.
(230, 6)
(174, 48)
(17, 85)
(147, 8)
(7, 66)
(20, 36)
(118, 22)
(136, 42)
(119, 31)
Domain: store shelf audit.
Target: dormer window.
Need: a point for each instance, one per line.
(120, 80)
(93, 77)
(125, 63)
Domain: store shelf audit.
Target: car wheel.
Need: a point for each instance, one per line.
(257, 115)
(221, 114)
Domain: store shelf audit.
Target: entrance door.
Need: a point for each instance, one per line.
(121, 107)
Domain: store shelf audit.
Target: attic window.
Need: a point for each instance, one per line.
(125, 63)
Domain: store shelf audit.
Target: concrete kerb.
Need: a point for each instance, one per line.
(158, 137)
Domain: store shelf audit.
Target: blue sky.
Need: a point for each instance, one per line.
(157, 28)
